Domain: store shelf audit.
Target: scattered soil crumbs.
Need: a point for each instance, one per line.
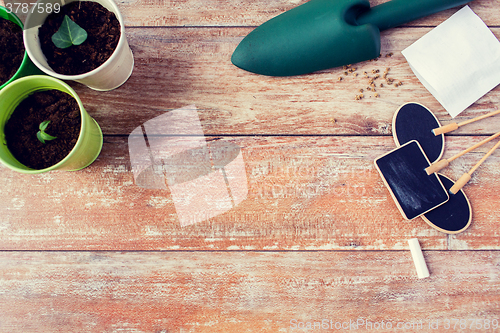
(375, 80)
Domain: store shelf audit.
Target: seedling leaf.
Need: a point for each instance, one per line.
(41, 135)
(43, 125)
(69, 33)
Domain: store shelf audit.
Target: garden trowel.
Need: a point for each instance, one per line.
(322, 34)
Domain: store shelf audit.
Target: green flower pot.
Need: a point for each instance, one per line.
(88, 145)
(27, 67)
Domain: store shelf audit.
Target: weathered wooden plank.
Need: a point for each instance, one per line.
(247, 292)
(179, 66)
(238, 13)
(203, 13)
(303, 193)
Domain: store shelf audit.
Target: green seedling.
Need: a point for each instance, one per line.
(69, 33)
(41, 135)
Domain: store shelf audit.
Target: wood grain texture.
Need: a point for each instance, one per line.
(243, 292)
(240, 13)
(303, 193)
(317, 236)
(207, 13)
(175, 67)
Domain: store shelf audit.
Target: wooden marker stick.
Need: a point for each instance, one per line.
(435, 167)
(466, 176)
(454, 126)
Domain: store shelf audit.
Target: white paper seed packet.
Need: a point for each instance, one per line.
(458, 61)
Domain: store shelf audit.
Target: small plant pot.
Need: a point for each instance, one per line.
(27, 67)
(110, 75)
(90, 140)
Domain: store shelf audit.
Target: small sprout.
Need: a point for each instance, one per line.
(41, 135)
(69, 33)
(376, 95)
(339, 79)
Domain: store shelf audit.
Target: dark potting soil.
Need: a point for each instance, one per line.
(20, 131)
(11, 49)
(103, 30)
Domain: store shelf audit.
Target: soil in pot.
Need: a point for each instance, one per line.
(103, 30)
(62, 110)
(11, 49)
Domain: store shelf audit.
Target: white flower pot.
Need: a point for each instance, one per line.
(110, 75)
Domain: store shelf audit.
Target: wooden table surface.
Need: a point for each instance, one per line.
(316, 242)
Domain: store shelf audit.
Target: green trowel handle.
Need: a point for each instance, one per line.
(396, 12)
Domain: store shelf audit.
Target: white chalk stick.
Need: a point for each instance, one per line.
(418, 258)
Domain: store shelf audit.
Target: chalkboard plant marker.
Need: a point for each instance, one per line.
(414, 121)
(114, 62)
(453, 126)
(87, 145)
(412, 189)
(22, 65)
(435, 167)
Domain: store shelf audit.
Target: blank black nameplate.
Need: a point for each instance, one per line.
(413, 190)
(413, 121)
